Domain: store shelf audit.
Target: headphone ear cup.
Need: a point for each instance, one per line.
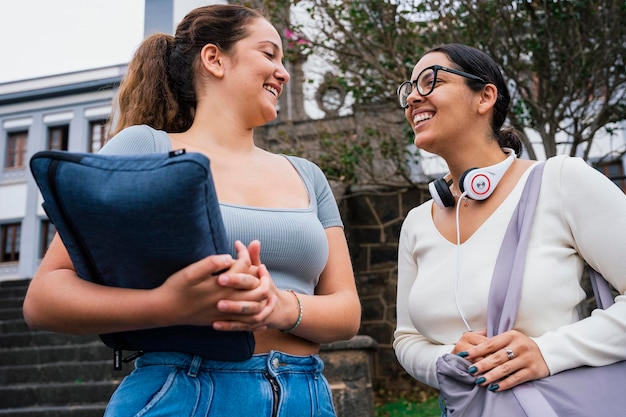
(441, 194)
(477, 184)
(462, 179)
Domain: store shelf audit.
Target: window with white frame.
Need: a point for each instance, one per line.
(10, 242)
(97, 134)
(16, 149)
(47, 233)
(58, 137)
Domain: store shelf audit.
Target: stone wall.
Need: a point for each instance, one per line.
(373, 217)
(348, 366)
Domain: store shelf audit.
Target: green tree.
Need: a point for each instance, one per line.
(363, 63)
(564, 60)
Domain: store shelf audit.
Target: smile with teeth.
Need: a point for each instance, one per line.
(420, 117)
(271, 90)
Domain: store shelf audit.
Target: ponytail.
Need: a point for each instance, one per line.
(145, 95)
(159, 89)
(510, 138)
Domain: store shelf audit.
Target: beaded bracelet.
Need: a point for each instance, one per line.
(292, 328)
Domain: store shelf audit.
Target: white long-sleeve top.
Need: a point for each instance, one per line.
(581, 215)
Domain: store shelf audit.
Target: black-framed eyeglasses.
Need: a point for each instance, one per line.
(426, 81)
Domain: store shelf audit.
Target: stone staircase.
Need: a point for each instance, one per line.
(45, 374)
(50, 374)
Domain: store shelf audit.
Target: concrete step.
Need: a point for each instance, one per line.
(13, 289)
(83, 410)
(62, 372)
(14, 283)
(48, 374)
(11, 313)
(13, 326)
(92, 351)
(42, 338)
(55, 394)
(12, 302)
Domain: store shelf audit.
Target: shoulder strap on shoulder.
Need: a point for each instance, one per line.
(505, 290)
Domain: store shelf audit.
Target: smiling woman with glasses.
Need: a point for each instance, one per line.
(426, 82)
(456, 105)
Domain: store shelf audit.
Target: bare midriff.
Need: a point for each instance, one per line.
(276, 340)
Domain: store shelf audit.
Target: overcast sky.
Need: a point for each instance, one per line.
(47, 37)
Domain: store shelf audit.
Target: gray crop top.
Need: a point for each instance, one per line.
(294, 246)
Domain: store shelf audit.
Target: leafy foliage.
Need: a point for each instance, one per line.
(564, 59)
(564, 62)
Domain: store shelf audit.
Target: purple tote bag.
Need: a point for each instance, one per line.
(580, 392)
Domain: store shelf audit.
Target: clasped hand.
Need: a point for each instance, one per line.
(230, 294)
(503, 361)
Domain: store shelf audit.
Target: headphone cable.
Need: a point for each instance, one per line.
(458, 262)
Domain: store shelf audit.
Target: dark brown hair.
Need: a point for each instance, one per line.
(159, 87)
(476, 62)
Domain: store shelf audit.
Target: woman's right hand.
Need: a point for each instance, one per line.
(192, 294)
(58, 300)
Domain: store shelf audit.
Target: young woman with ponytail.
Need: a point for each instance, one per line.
(289, 277)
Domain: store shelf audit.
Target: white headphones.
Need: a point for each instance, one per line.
(475, 183)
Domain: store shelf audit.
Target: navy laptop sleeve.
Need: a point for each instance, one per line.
(132, 221)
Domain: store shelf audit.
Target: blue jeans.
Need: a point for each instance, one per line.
(180, 384)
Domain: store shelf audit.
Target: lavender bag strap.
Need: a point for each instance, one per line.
(506, 284)
(601, 289)
(505, 290)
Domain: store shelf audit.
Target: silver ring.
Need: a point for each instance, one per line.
(509, 353)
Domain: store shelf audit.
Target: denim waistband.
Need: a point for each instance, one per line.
(274, 362)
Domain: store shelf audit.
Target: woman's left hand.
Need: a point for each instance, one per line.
(506, 360)
(468, 340)
(247, 321)
(278, 312)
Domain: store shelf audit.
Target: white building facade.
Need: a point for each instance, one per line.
(64, 112)
(59, 112)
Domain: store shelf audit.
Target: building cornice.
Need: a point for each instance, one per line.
(24, 91)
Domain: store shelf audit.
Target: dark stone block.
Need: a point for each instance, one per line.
(367, 235)
(381, 332)
(386, 255)
(371, 283)
(372, 309)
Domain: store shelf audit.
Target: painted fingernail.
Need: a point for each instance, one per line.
(472, 369)
(493, 387)
(480, 380)
(463, 354)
